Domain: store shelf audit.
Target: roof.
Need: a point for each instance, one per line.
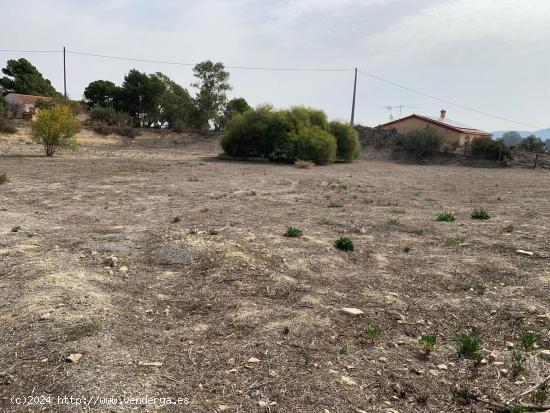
(443, 122)
(28, 99)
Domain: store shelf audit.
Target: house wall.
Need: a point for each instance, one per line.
(450, 136)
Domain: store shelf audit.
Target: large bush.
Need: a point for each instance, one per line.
(108, 115)
(55, 128)
(347, 140)
(315, 144)
(7, 126)
(488, 148)
(288, 135)
(423, 143)
(532, 144)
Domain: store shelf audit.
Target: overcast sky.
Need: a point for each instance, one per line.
(490, 55)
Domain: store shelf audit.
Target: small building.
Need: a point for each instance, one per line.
(23, 104)
(454, 133)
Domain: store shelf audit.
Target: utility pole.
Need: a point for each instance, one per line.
(353, 102)
(64, 74)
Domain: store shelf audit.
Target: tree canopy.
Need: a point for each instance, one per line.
(511, 138)
(22, 77)
(213, 85)
(102, 93)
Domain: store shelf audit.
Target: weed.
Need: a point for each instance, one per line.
(4, 178)
(293, 232)
(286, 331)
(518, 359)
(517, 409)
(373, 333)
(393, 221)
(399, 211)
(175, 220)
(428, 199)
(344, 244)
(334, 204)
(193, 179)
(406, 249)
(428, 343)
(446, 216)
(213, 231)
(480, 213)
(204, 210)
(344, 349)
(467, 346)
(455, 241)
(85, 328)
(251, 193)
(528, 340)
(508, 228)
(307, 359)
(541, 394)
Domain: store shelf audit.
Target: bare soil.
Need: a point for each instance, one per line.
(221, 308)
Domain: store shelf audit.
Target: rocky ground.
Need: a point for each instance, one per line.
(148, 267)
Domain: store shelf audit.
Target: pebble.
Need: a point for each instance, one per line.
(348, 380)
(253, 360)
(383, 359)
(523, 252)
(73, 358)
(442, 367)
(352, 311)
(124, 268)
(111, 261)
(545, 355)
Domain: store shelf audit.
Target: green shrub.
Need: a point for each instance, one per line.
(467, 346)
(393, 221)
(517, 409)
(315, 144)
(4, 178)
(293, 232)
(480, 213)
(302, 117)
(101, 128)
(446, 216)
(508, 228)
(541, 394)
(428, 343)
(347, 141)
(518, 360)
(532, 144)
(344, 244)
(373, 333)
(55, 128)
(7, 126)
(488, 148)
(334, 204)
(109, 115)
(423, 143)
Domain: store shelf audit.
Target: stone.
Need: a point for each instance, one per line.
(509, 344)
(253, 360)
(383, 359)
(223, 407)
(124, 268)
(73, 358)
(434, 372)
(442, 367)
(523, 252)
(111, 261)
(348, 380)
(545, 355)
(151, 364)
(45, 316)
(16, 228)
(352, 311)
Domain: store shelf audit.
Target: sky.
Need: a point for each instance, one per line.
(489, 55)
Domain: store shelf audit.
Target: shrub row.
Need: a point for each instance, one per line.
(104, 129)
(289, 135)
(7, 126)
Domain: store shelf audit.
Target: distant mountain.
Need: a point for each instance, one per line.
(543, 133)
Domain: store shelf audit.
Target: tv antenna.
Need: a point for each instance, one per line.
(389, 108)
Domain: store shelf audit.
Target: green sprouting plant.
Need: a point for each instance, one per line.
(480, 213)
(344, 244)
(528, 340)
(373, 333)
(446, 216)
(175, 220)
(427, 343)
(467, 346)
(293, 232)
(85, 328)
(393, 221)
(335, 204)
(251, 193)
(541, 393)
(344, 349)
(518, 358)
(307, 359)
(4, 178)
(517, 409)
(508, 228)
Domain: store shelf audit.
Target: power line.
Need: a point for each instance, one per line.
(446, 101)
(30, 51)
(304, 69)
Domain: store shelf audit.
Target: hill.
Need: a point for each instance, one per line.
(542, 133)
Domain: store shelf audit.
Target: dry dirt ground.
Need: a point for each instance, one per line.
(222, 309)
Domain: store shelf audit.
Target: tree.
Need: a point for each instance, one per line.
(175, 103)
(55, 128)
(423, 143)
(547, 143)
(211, 99)
(23, 77)
(234, 107)
(532, 144)
(102, 93)
(511, 138)
(139, 96)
